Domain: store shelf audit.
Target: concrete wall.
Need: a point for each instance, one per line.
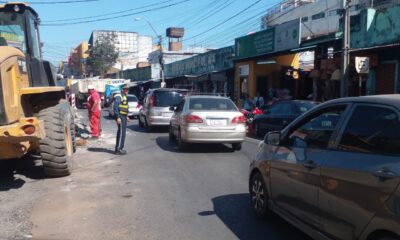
(311, 28)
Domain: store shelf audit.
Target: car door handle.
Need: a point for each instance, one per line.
(384, 174)
(309, 164)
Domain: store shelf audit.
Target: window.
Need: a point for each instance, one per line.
(167, 99)
(35, 50)
(305, 106)
(317, 132)
(304, 19)
(180, 106)
(212, 104)
(286, 109)
(132, 98)
(12, 30)
(335, 12)
(355, 7)
(275, 109)
(372, 130)
(318, 16)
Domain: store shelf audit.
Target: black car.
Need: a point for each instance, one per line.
(279, 115)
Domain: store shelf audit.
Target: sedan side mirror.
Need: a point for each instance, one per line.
(273, 138)
(173, 109)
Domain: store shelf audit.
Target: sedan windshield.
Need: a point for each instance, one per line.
(212, 104)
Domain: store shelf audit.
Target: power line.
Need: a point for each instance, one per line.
(225, 21)
(200, 10)
(58, 2)
(107, 14)
(121, 16)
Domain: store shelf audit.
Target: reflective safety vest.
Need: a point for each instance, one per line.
(123, 106)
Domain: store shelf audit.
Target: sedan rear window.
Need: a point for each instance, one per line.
(167, 99)
(132, 99)
(212, 104)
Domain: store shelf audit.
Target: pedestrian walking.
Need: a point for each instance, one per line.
(94, 109)
(121, 109)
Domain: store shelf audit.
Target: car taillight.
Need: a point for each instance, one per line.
(151, 101)
(239, 119)
(138, 105)
(193, 119)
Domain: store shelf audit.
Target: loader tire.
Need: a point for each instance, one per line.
(56, 149)
(73, 134)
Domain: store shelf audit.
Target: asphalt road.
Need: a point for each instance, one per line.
(154, 192)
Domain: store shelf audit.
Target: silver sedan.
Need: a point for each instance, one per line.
(207, 119)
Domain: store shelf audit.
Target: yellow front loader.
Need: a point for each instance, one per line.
(35, 117)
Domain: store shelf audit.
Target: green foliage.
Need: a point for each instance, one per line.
(103, 55)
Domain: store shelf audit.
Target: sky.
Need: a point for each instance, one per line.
(208, 23)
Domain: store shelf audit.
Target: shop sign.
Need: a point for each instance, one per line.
(213, 61)
(138, 74)
(362, 65)
(287, 36)
(244, 70)
(255, 44)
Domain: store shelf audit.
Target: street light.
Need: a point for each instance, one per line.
(160, 40)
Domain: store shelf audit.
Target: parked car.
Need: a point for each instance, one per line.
(207, 119)
(279, 115)
(334, 171)
(134, 106)
(156, 106)
(133, 102)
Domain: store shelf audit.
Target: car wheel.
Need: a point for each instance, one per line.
(259, 196)
(171, 135)
(148, 127)
(236, 146)
(140, 122)
(182, 146)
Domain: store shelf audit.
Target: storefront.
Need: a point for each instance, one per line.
(210, 72)
(264, 62)
(376, 36)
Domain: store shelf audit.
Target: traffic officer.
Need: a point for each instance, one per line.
(121, 110)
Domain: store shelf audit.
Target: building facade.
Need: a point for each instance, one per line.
(77, 60)
(132, 48)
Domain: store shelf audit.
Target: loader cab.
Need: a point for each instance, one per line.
(19, 28)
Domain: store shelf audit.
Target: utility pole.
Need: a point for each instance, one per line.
(161, 57)
(344, 86)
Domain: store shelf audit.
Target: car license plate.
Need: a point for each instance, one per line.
(217, 122)
(167, 114)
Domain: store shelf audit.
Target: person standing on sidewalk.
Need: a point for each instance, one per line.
(94, 108)
(121, 110)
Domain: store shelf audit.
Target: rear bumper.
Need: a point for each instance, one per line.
(14, 142)
(195, 135)
(133, 112)
(158, 121)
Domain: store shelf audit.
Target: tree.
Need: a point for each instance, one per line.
(102, 55)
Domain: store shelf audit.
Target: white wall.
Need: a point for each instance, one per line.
(312, 28)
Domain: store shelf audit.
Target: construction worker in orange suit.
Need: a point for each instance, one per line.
(94, 108)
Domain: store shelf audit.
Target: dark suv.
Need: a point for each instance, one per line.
(334, 172)
(156, 106)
